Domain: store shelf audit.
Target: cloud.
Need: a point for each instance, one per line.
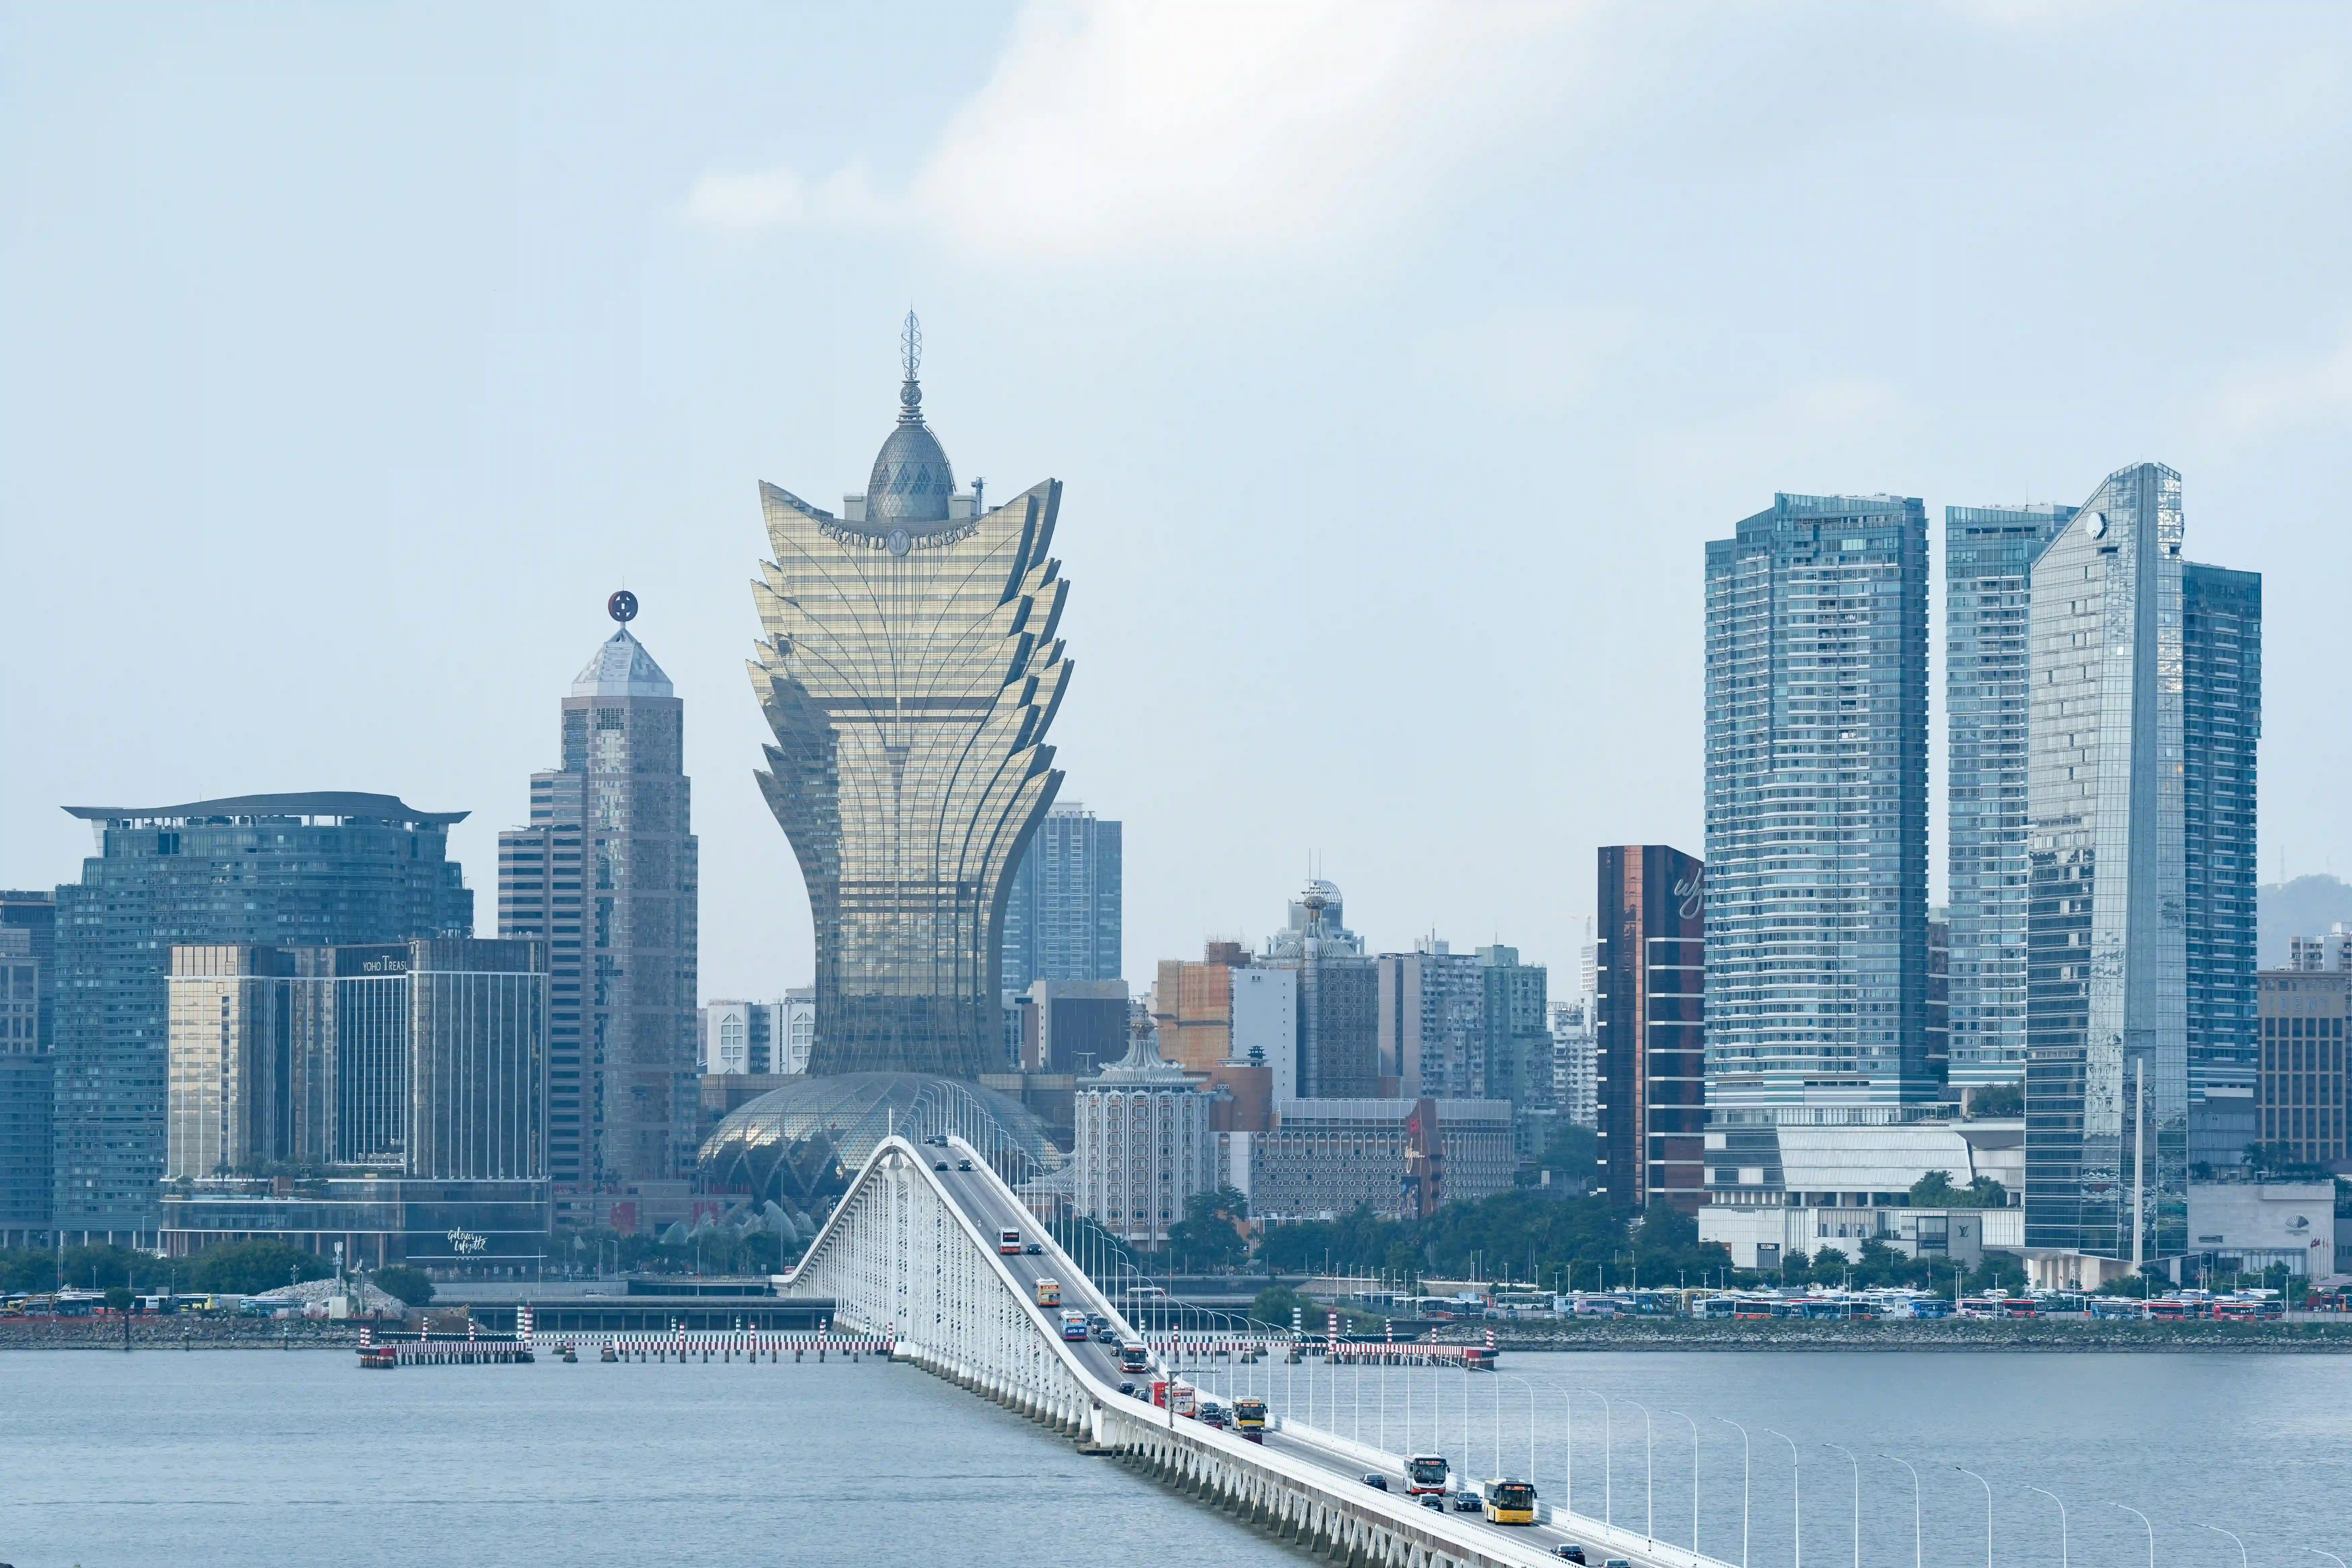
(2254, 400)
(1203, 130)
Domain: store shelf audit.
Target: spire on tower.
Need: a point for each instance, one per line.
(910, 355)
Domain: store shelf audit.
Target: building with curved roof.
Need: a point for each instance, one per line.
(798, 1145)
(909, 670)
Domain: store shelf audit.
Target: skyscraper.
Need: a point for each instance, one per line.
(28, 962)
(1433, 1022)
(1339, 998)
(1649, 1028)
(1062, 919)
(1988, 555)
(1817, 814)
(608, 876)
(1519, 1033)
(2107, 1088)
(2221, 725)
(909, 668)
(314, 870)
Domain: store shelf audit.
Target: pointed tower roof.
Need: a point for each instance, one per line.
(621, 667)
(1144, 1068)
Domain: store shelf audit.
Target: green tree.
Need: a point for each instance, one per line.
(27, 1268)
(1209, 1234)
(411, 1285)
(118, 1297)
(96, 1268)
(1276, 1303)
(249, 1268)
(1996, 1099)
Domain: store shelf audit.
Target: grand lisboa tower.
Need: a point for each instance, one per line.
(909, 667)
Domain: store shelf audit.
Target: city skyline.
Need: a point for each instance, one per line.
(1273, 443)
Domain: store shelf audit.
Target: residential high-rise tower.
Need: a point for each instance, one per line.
(1988, 555)
(1817, 814)
(1061, 918)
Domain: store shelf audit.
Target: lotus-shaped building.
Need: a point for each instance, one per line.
(909, 667)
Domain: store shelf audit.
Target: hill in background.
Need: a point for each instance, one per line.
(2306, 906)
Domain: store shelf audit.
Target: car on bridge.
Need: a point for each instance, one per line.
(1376, 1480)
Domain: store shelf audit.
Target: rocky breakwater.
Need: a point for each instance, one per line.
(1905, 1334)
(178, 1331)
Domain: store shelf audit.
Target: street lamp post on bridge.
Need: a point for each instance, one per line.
(1857, 1499)
(1797, 1500)
(1694, 1426)
(1649, 1478)
(1988, 1487)
(1743, 1488)
(2053, 1497)
(1608, 1458)
(1916, 1560)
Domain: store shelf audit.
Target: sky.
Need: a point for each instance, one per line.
(1397, 359)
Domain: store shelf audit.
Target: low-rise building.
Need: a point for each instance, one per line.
(1402, 1158)
(2246, 1228)
(1761, 1240)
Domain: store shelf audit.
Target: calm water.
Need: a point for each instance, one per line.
(249, 1458)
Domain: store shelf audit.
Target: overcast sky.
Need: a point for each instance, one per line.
(1397, 359)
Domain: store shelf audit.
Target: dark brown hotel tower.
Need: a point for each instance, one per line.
(1650, 1034)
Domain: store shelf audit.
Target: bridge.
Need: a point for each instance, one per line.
(910, 1257)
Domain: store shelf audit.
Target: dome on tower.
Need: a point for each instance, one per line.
(911, 480)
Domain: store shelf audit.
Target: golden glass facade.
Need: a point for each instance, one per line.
(909, 668)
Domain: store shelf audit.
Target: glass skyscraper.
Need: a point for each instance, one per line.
(1062, 919)
(607, 875)
(909, 667)
(2221, 724)
(1988, 554)
(1816, 910)
(2141, 1024)
(2106, 1087)
(317, 870)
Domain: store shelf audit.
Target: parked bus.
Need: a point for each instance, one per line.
(1008, 1242)
(1424, 1474)
(1508, 1503)
(1049, 1292)
(1073, 1325)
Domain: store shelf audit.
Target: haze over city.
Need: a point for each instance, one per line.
(1397, 360)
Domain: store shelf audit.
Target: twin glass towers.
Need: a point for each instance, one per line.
(2103, 703)
(909, 668)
